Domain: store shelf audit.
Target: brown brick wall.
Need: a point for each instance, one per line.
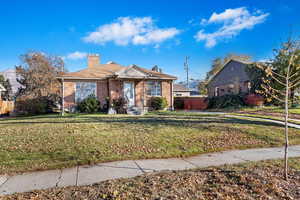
(139, 93)
(166, 91)
(102, 91)
(115, 87)
(69, 94)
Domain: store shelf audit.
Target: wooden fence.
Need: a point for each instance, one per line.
(6, 107)
(190, 103)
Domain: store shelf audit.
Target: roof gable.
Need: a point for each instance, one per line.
(231, 72)
(131, 72)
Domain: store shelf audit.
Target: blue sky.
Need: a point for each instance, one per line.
(146, 33)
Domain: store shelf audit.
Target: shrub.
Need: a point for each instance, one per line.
(158, 103)
(105, 106)
(119, 105)
(89, 105)
(35, 106)
(254, 100)
(178, 103)
(226, 101)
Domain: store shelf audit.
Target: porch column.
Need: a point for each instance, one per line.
(172, 96)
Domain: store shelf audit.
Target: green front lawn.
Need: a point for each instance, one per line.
(51, 141)
(253, 180)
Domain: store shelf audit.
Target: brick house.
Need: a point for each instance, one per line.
(231, 79)
(2, 89)
(112, 81)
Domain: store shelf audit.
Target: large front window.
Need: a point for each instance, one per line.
(84, 89)
(154, 88)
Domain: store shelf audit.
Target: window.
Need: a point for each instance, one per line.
(84, 89)
(154, 88)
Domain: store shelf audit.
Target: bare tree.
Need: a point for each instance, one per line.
(282, 77)
(38, 74)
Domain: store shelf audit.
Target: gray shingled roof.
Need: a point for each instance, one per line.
(180, 88)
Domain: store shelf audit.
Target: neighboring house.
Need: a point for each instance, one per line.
(112, 81)
(11, 75)
(2, 89)
(180, 90)
(231, 79)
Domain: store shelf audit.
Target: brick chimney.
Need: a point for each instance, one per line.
(93, 60)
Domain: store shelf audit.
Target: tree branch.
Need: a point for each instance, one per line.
(280, 82)
(295, 81)
(282, 76)
(272, 95)
(296, 73)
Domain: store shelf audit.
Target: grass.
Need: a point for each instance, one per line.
(252, 180)
(52, 141)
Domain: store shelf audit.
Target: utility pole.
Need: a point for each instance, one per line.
(186, 68)
(63, 93)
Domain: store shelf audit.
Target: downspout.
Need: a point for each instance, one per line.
(108, 93)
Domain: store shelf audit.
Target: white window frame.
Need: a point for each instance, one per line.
(156, 88)
(91, 82)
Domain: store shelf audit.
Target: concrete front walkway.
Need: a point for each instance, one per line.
(292, 125)
(85, 175)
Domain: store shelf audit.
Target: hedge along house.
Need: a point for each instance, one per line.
(231, 79)
(112, 81)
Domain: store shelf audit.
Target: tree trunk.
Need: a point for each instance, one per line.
(286, 130)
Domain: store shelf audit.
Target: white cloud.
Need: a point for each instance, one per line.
(128, 30)
(77, 55)
(233, 22)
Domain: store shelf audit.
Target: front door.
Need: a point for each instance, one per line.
(128, 91)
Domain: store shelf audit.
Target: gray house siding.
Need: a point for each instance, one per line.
(231, 79)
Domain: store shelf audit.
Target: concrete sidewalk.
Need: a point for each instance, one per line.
(85, 175)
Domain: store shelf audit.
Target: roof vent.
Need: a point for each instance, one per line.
(155, 68)
(110, 62)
